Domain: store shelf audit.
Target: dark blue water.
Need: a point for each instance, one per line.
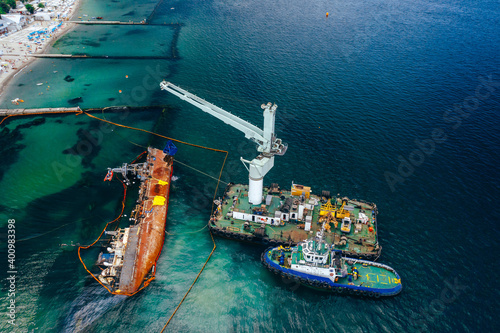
(394, 102)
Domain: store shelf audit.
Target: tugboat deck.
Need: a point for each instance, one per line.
(376, 277)
(329, 271)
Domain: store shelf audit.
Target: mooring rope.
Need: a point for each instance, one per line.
(192, 284)
(208, 259)
(175, 161)
(5, 118)
(203, 173)
(188, 232)
(215, 194)
(146, 283)
(152, 133)
(100, 235)
(45, 233)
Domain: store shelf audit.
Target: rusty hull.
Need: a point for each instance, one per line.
(150, 230)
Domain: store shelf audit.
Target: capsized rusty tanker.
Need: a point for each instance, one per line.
(128, 261)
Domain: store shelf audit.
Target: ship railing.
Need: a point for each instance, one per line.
(371, 263)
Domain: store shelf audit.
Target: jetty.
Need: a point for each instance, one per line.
(16, 111)
(109, 22)
(44, 55)
(85, 56)
(123, 23)
(12, 112)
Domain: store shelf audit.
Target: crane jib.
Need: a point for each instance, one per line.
(268, 144)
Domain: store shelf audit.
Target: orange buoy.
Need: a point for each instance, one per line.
(120, 91)
(326, 14)
(126, 76)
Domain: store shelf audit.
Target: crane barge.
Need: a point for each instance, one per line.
(273, 215)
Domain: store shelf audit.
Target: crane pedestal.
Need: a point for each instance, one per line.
(268, 145)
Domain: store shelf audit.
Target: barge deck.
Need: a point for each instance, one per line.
(290, 216)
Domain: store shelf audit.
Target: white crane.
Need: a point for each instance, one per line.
(267, 143)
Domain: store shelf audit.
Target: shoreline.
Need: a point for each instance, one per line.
(16, 46)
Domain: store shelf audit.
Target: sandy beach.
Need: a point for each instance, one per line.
(17, 48)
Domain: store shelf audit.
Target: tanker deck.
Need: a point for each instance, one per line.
(288, 217)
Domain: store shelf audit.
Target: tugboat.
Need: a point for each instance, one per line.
(273, 215)
(128, 262)
(315, 264)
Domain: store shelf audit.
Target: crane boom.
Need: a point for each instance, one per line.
(251, 132)
(268, 144)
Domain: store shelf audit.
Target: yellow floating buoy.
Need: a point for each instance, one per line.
(326, 14)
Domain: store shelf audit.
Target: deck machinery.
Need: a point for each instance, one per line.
(286, 216)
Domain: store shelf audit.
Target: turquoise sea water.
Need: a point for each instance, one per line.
(358, 94)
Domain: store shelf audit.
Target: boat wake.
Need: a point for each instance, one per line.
(88, 307)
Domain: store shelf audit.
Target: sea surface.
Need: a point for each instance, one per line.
(394, 102)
